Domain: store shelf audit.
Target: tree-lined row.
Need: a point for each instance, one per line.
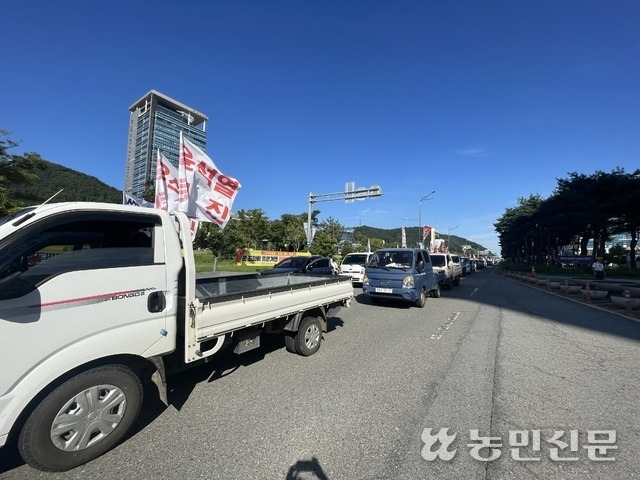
(582, 208)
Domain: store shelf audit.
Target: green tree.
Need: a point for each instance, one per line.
(220, 242)
(323, 244)
(254, 227)
(377, 244)
(15, 170)
(616, 255)
(149, 191)
(333, 228)
(581, 208)
(347, 247)
(516, 230)
(294, 237)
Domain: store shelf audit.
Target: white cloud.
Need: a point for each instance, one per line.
(475, 152)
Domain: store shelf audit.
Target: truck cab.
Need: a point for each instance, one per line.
(97, 299)
(402, 274)
(353, 264)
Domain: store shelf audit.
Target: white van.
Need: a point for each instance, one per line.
(353, 265)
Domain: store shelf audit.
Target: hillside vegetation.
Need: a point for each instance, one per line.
(53, 177)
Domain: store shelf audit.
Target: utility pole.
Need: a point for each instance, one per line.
(420, 230)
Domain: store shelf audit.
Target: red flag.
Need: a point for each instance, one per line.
(166, 184)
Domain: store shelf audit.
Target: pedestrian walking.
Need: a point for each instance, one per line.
(598, 269)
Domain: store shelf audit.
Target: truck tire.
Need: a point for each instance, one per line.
(456, 281)
(309, 336)
(437, 292)
(290, 342)
(422, 299)
(81, 419)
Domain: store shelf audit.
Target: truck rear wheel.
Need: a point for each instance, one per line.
(290, 342)
(81, 419)
(309, 336)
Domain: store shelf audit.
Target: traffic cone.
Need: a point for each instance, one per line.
(533, 272)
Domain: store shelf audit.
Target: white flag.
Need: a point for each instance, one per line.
(205, 193)
(138, 202)
(404, 238)
(166, 184)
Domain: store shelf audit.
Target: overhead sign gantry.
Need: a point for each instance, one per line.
(350, 194)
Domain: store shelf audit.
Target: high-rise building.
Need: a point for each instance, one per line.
(155, 122)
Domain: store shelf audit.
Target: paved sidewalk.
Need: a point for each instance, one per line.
(605, 304)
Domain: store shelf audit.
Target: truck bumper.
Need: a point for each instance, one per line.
(408, 295)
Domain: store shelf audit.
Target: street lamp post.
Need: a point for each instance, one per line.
(449, 239)
(420, 200)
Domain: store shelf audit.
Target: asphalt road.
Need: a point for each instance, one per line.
(492, 355)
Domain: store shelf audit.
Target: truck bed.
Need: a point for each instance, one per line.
(232, 302)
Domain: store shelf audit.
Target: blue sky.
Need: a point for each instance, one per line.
(482, 101)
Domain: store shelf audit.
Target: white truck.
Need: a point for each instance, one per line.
(449, 271)
(353, 264)
(97, 299)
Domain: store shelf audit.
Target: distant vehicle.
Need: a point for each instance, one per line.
(466, 266)
(316, 264)
(450, 271)
(457, 260)
(353, 265)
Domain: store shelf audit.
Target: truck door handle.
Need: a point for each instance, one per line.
(156, 302)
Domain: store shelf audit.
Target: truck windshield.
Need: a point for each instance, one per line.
(391, 259)
(355, 259)
(437, 260)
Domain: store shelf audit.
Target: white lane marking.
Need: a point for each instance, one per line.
(475, 290)
(444, 327)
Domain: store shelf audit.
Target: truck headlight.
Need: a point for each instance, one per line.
(408, 282)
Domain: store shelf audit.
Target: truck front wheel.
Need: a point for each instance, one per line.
(309, 336)
(81, 419)
(436, 293)
(422, 299)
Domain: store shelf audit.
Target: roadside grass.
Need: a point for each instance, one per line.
(205, 263)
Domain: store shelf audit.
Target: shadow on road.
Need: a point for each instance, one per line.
(306, 469)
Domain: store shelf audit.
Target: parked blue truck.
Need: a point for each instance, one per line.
(402, 274)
